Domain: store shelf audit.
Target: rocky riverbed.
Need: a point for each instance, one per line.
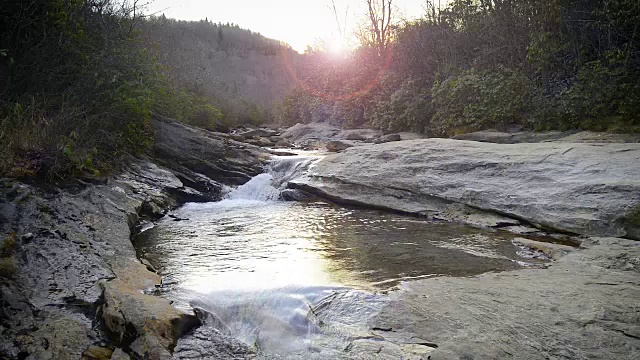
(75, 288)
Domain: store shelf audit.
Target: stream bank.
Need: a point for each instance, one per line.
(77, 287)
(80, 291)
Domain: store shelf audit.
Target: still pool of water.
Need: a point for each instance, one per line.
(270, 272)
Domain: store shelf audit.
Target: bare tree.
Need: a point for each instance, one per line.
(378, 32)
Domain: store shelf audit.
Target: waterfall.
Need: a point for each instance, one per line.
(269, 186)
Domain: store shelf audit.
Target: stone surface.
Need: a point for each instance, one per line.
(573, 187)
(259, 133)
(574, 136)
(119, 354)
(338, 145)
(304, 133)
(551, 250)
(192, 152)
(361, 134)
(584, 306)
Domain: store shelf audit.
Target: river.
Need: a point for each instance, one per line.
(302, 278)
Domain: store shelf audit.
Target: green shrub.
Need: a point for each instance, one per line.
(407, 108)
(474, 100)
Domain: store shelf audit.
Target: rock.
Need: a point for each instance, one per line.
(127, 308)
(360, 134)
(388, 138)
(118, 354)
(499, 137)
(284, 144)
(148, 265)
(584, 306)
(238, 137)
(355, 136)
(196, 152)
(411, 136)
(207, 343)
(553, 251)
(264, 142)
(256, 133)
(301, 133)
(572, 187)
(392, 137)
(148, 347)
(337, 145)
(98, 353)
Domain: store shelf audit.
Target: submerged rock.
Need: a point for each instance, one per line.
(572, 187)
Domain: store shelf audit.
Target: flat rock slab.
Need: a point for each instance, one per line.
(584, 306)
(581, 188)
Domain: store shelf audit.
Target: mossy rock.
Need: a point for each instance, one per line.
(8, 268)
(634, 216)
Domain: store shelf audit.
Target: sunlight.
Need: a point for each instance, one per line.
(338, 47)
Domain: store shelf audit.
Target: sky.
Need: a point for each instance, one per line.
(296, 22)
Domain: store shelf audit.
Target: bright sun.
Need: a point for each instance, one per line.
(338, 47)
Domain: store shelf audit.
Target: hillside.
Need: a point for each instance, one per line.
(243, 72)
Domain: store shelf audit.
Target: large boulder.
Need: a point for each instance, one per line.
(305, 133)
(338, 145)
(255, 133)
(583, 188)
(191, 152)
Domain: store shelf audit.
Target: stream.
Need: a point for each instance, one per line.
(302, 279)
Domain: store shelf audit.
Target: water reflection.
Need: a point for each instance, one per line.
(267, 272)
(253, 245)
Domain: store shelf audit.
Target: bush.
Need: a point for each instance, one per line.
(407, 108)
(474, 100)
(79, 94)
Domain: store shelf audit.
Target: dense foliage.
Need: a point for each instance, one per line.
(76, 89)
(80, 79)
(479, 64)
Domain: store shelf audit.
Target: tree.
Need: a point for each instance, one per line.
(380, 25)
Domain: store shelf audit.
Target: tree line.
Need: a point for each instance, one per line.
(480, 64)
(80, 80)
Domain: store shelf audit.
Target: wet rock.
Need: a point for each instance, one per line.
(571, 187)
(551, 250)
(337, 145)
(207, 343)
(565, 311)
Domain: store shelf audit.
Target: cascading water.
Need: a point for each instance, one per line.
(270, 185)
(300, 279)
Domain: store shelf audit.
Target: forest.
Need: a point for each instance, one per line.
(481, 64)
(80, 79)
